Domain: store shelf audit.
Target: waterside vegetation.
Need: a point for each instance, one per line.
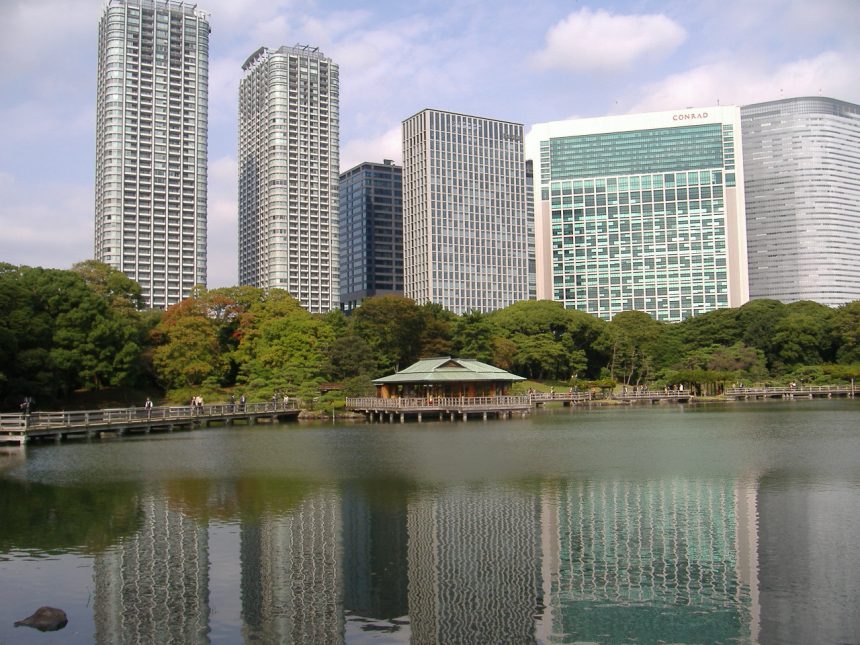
(64, 331)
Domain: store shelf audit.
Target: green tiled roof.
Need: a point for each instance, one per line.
(448, 370)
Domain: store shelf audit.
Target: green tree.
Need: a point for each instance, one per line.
(392, 326)
(803, 335)
(437, 330)
(539, 356)
(190, 352)
(349, 356)
(758, 319)
(60, 334)
(572, 334)
(113, 286)
(846, 331)
(282, 347)
(472, 337)
(633, 337)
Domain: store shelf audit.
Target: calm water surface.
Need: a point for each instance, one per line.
(735, 523)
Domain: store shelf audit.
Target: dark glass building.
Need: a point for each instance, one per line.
(371, 232)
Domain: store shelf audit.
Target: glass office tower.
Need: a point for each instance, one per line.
(371, 232)
(641, 212)
(802, 166)
(288, 174)
(465, 223)
(151, 145)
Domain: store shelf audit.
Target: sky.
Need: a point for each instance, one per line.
(527, 62)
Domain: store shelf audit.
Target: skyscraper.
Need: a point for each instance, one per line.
(465, 224)
(151, 145)
(641, 212)
(802, 163)
(288, 174)
(371, 232)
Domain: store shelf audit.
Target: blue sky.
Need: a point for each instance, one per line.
(522, 61)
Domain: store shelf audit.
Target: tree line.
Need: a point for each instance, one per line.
(87, 328)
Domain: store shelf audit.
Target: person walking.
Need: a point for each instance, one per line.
(148, 407)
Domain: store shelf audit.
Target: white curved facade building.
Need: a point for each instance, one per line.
(802, 164)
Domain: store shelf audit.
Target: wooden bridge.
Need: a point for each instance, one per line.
(565, 397)
(654, 396)
(789, 392)
(57, 426)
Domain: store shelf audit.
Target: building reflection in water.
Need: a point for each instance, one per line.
(154, 586)
(375, 566)
(474, 566)
(602, 561)
(808, 545)
(292, 587)
(656, 561)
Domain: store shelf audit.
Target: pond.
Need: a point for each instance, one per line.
(724, 523)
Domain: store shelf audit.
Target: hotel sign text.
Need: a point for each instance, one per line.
(689, 116)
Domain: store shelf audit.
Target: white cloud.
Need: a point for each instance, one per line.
(388, 145)
(590, 41)
(734, 82)
(223, 227)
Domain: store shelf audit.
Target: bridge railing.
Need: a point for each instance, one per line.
(652, 394)
(104, 416)
(560, 396)
(787, 389)
(12, 422)
(437, 402)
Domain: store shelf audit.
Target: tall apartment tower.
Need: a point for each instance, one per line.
(288, 174)
(643, 211)
(465, 223)
(802, 165)
(151, 145)
(371, 232)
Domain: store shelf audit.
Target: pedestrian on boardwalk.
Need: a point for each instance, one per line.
(27, 405)
(242, 403)
(148, 407)
(232, 403)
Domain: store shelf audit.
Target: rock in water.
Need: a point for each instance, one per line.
(45, 619)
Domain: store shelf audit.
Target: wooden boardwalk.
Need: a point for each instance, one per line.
(452, 407)
(787, 392)
(58, 426)
(654, 396)
(566, 398)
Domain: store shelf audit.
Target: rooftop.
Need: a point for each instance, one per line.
(445, 369)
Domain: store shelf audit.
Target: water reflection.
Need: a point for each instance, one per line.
(540, 562)
(731, 552)
(653, 561)
(292, 583)
(154, 586)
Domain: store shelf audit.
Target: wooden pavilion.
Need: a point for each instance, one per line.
(446, 376)
(443, 386)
